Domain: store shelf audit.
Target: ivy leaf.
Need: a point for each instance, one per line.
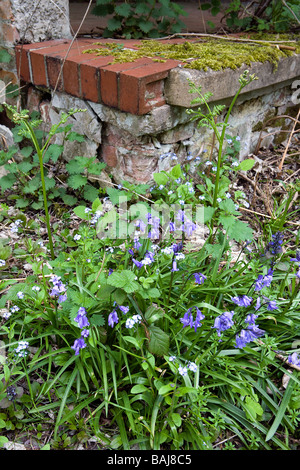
(158, 342)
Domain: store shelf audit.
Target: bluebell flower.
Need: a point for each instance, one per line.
(188, 318)
(113, 318)
(78, 344)
(199, 278)
(242, 301)
(137, 263)
(248, 335)
(294, 359)
(297, 259)
(81, 318)
(124, 309)
(136, 243)
(274, 246)
(264, 281)
(174, 266)
(250, 319)
(272, 305)
(223, 322)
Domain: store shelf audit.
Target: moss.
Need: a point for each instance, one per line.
(202, 54)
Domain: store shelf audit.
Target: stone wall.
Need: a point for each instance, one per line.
(133, 146)
(29, 21)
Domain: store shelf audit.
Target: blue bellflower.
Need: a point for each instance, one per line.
(242, 301)
(223, 322)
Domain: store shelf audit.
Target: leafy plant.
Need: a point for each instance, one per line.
(269, 15)
(150, 18)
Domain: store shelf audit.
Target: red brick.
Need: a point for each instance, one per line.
(54, 72)
(90, 77)
(140, 88)
(109, 155)
(22, 63)
(109, 78)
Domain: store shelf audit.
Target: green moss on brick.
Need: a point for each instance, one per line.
(202, 54)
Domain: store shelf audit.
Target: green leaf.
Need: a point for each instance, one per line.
(246, 165)
(252, 408)
(53, 152)
(90, 193)
(5, 57)
(159, 341)
(240, 231)
(113, 24)
(124, 280)
(80, 212)
(160, 178)
(76, 181)
(72, 136)
(123, 10)
(7, 181)
(97, 320)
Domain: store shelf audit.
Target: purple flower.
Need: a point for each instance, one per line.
(264, 281)
(85, 333)
(62, 298)
(137, 263)
(124, 309)
(242, 301)
(131, 252)
(113, 318)
(250, 319)
(274, 245)
(136, 244)
(199, 278)
(298, 274)
(174, 266)
(248, 335)
(188, 319)
(78, 344)
(82, 321)
(297, 259)
(272, 305)
(294, 359)
(223, 322)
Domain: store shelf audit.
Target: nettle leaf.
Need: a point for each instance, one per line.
(7, 181)
(72, 136)
(240, 231)
(97, 320)
(115, 195)
(54, 152)
(113, 24)
(123, 10)
(76, 181)
(158, 341)
(90, 193)
(124, 280)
